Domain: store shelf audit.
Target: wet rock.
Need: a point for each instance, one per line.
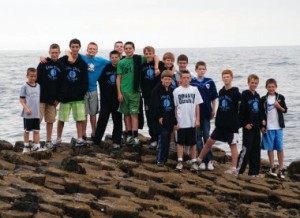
(18, 158)
(78, 210)
(294, 168)
(5, 145)
(45, 215)
(71, 164)
(15, 214)
(6, 165)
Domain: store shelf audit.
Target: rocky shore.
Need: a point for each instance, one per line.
(98, 181)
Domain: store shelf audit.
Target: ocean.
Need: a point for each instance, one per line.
(280, 63)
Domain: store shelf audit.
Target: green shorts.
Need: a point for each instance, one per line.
(78, 111)
(130, 103)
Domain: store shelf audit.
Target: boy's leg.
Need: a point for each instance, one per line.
(254, 159)
(101, 124)
(280, 155)
(78, 110)
(93, 124)
(244, 155)
(60, 127)
(84, 126)
(63, 116)
(50, 113)
(234, 155)
(141, 113)
(128, 125)
(117, 129)
(36, 137)
(271, 159)
(49, 129)
(26, 137)
(79, 128)
(209, 143)
(149, 120)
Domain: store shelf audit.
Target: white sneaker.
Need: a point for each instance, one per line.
(116, 146)
(272, 172)
(153, 145)
(56, 142)
(136, 142)
(210, 165)
(189, 162)
(179, 166)
(37, 148)
(232, 171)
(49, 146)
(202, 166)
(26, 149)
(194, 167)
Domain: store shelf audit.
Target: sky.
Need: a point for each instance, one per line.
(35, 24)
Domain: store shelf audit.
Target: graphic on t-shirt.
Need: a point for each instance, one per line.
(188, 98)
(149, 74)
(254, 105)
(207, 85)
(91, 67)
(72, 76)
(271, 107)
(53, 74)
(173, 84)
(112, 80)
(166, 102)
(224, 105)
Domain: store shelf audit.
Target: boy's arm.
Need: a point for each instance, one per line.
(156, 64)
(197, 122)
(118, 83)
(281, 106)
(214, 108)
(25, 106)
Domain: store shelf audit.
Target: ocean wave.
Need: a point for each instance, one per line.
(281, 64)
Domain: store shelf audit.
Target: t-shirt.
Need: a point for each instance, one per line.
(186, 99)
(95, 68)
(272, 115)
(31, 94)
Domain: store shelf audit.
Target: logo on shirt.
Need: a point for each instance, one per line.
(270, 107)
(254, 105)
(149, 74)
(91, 67)
(188, 98)
(53, 74)
(166, 102)
(224, 103)
(112, 80)
(207, 86)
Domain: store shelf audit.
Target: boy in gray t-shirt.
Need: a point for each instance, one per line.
(30, 100)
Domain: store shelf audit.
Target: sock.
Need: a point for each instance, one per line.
(180, 159)
(199, 160)
(135, 134)
(129, 133)
(194, 160)
(25, 144)
(37, 145)
(79, 140)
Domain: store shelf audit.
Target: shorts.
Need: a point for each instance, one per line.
(224, 136)
(130, 103)
(273, 140)
(186, 136)
(48, 111)
(77, 110)
(31, 124)
(91, 103)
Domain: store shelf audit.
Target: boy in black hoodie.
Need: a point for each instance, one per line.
(163, 113)
(49, 76)
(227, 120)
(251, 121)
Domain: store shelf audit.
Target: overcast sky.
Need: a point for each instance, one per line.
(35, 24)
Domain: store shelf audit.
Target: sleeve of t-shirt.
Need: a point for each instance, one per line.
(23, 92)
(198, 97)
(119, 68)
(175, 98)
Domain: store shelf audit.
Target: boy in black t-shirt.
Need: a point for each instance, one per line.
(227, 120)
(109, 102)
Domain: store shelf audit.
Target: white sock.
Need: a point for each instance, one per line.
(180, 159)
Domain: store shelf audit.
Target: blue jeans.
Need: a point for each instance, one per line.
(202, 134)
(163, 146)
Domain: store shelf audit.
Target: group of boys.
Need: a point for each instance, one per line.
(174, 103)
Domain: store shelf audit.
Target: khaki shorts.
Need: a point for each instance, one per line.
(47, 111)
(91, 103)
(130, 103)
(77, 108)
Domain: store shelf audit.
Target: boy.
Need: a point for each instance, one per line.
(163, 113)
(109, 102)
(273, 123)
(49, 77)
(30, 100)
(227, 121)
(182, 62)
(250, 120)
(187, 99)
(168, 60)
(128, 87)
(149, 79)
(73, 90)
(208, 91)
(119, 47)
(95, 68)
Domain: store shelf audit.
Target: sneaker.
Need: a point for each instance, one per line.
(84, 138)
(153, 145)
(49, 146)
(210, 165)
(160, 164)
(202, 166)
(194, 167)
(26, 149)
(136, 142)
(56, 142)
(272, 172)
(189, 162)
(124, 138)
(129, 140)
(281, 174)
(38, 148)
(116, 146)
(179, 166)
(81, 143)
(232, 171)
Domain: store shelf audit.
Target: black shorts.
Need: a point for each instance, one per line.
(31, 124)
(186, 136)
(225, 136)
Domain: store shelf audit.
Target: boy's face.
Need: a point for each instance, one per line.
(92, 50)
(182, 65)
(166, 81)
(129, 50)
(271, 87)
(54, 53)
(149, 55)
(31, 77)
(75, 49)
(114, 58)
(185, 79)
(168, 62)
(201, 70)
(227, 79)
(119, 47)
(253, 83)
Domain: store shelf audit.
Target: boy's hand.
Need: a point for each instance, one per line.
(55, 103)
(176, 127)
(212, 115)
(120, 98)
(160, 120)
(197, 123)
(156, 72)
(43, 60)
(263, 130)
(28, 111)
(263, 123)
(249, 126)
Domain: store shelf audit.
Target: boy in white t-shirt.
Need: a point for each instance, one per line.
(187, 99)
(274, 106)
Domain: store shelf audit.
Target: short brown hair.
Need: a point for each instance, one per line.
(149, 48)
(253, 76)
(227, 72)
(271, 81)
(182, 57)
(54, 46)
(169, 55)
(30, 70)
(200, 63)
(185, 72)
(93, 43)
(166, 73)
